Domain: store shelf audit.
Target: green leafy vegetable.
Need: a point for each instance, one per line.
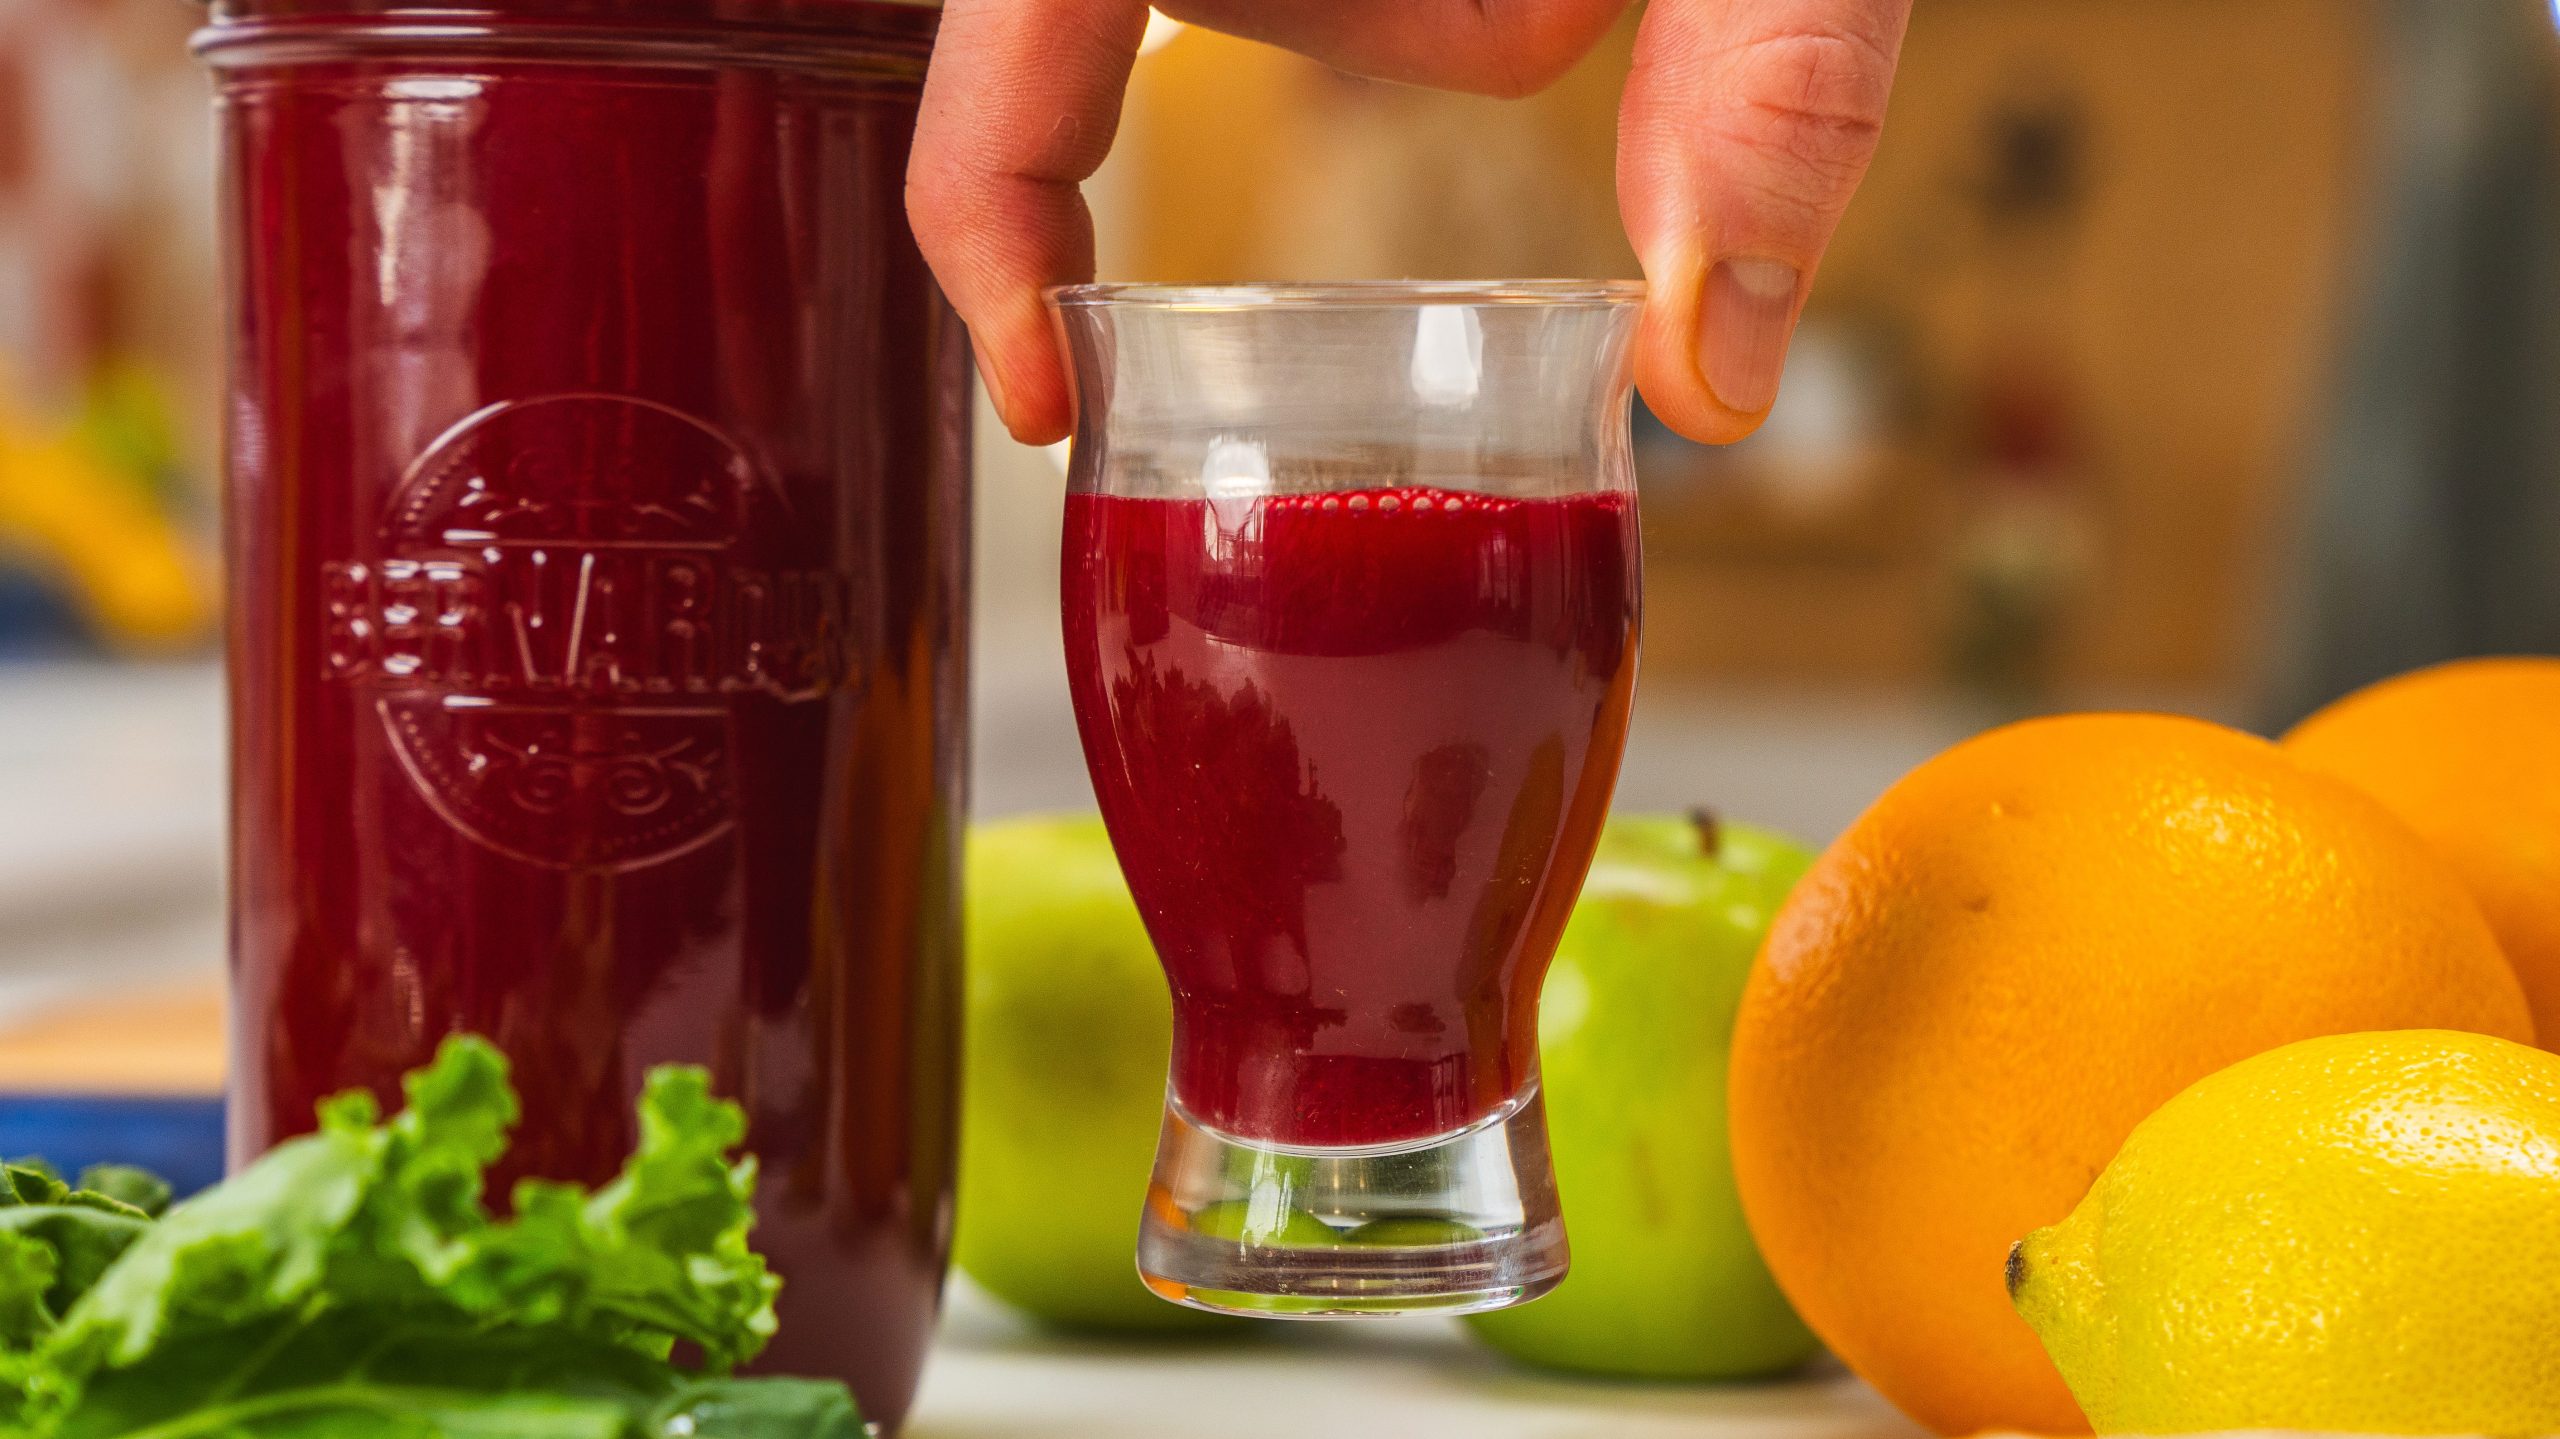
(55, 1240)
(758, 1409)
(353, 1283)
(134, 1188)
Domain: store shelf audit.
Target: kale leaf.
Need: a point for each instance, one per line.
(353, 1283)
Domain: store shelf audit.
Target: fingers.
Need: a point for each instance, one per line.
(1747, 127)
(1019, 109)
(1491, 47)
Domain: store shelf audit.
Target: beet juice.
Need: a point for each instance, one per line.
(1354, 750)
(597, 496)
(1350, 614)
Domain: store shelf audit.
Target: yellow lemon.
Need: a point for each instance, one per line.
(2356, 1233)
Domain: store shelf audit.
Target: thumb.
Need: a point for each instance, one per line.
(1747, 127)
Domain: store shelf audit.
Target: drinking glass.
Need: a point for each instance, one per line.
(1350, 597)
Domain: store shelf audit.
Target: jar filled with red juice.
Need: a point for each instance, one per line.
(596, 522)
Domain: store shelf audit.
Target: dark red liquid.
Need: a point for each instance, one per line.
(596, 520)
(1354, 751)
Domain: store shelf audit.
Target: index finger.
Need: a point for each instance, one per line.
(1019, 109)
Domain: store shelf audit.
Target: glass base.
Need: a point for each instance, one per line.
(1455, 1224)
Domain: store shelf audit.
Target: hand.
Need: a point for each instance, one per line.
(1746, 126)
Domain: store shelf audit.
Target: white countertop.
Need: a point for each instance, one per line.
(110, 827)
(994, 1377)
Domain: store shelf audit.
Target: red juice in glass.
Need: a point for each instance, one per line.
(597, 510)
(1353, 749)
(1350, 608)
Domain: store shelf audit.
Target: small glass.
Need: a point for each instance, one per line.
(1350, 597)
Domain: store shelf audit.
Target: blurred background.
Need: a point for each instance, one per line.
(2184, 354)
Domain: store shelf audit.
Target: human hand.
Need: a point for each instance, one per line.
(1745, 129)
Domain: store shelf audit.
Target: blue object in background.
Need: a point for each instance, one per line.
(37, 620)
(177, 1137)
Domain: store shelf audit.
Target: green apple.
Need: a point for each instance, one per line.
(1069, 1031)
(1634, 1030)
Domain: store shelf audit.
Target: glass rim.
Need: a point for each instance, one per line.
(1349, 294)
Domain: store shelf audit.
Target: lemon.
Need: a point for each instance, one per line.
(2358, 1233)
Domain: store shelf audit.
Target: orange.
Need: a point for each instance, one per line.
(2469, 754)
(2026, 946)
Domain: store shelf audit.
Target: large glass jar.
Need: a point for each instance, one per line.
(596, 510)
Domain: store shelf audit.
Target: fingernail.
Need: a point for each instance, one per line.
(1749, 310)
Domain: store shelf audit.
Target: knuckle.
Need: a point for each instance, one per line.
(1814, 98)
(1062, 152)
(970, 204)
(931, 210)
(960, 226)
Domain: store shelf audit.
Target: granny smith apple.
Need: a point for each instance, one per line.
(1069, 1030)
(1634, 1030)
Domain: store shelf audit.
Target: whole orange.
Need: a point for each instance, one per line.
(2023, 948)
(2469, 754)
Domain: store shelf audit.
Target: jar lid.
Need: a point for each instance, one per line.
(710, 31)
(821, 14)
(468, 10)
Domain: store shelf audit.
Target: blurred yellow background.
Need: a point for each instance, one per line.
(2055, 431)
(2171, 302)
(109, 342)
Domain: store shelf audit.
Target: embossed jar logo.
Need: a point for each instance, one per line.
(567, 610)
